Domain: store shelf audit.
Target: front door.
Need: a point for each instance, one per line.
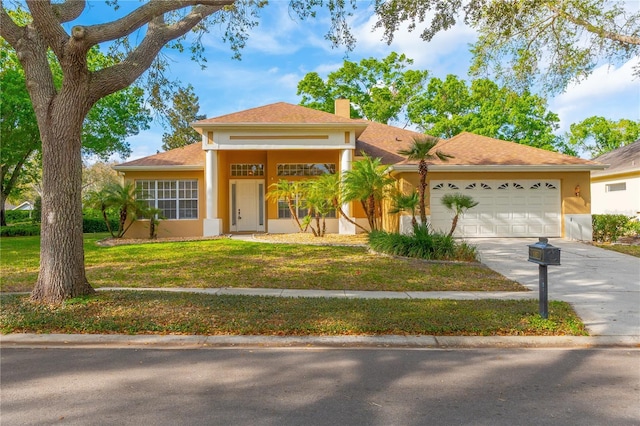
(246, 205)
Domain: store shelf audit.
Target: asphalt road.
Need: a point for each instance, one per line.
(320, 386)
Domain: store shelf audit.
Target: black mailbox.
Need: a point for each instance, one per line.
(544, 253)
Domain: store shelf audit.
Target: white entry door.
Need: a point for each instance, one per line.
(246, 205)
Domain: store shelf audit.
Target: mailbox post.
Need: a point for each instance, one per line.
(544, 254)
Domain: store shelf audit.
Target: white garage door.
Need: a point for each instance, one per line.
(513, 208)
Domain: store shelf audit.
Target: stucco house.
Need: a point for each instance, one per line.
(219, 186)
(616, 190)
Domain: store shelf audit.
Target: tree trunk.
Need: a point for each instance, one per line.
(62, 273)
(422, 192)
(454, 224)
(3, 216)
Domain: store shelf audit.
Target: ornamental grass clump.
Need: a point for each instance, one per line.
(422, 244)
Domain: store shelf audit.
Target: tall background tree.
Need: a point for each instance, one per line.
(379, 90)
(528, 43)
(449, 107)
(184, 111)
(597, 135)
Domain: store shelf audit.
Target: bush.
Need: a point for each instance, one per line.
(609, 227)
(18, 216)
(20, 231)
(90, 225)
(423, 244)
(92, 221)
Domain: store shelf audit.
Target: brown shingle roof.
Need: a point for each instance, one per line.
(621, 160)
(278, 113)
(190, 155)
(381, 140)
(470, 149)
(377, 140)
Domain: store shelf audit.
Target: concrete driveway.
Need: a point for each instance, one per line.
(603, 286)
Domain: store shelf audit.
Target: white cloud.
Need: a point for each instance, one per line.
(609, 92)
(324, 69)
(447, 53)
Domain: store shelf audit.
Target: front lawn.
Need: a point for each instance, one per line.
(233, 263)
(621, 248)
(135, 312)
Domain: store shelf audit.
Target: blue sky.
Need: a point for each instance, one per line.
(282, 49)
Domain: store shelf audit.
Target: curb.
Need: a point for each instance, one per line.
(393, 341)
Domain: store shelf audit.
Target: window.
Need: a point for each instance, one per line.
(612, 187)
(299, 205)
(176, 199)
(247, 170)
(306, 169)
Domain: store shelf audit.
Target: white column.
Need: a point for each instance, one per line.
(212, 224)
(344, 226)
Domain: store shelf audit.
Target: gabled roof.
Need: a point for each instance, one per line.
(471, 149)
(622, 160)
(377, 140)
(381, 140)
(278, 113)
(190, 157)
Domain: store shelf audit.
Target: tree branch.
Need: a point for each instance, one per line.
(9, 30)
(48, 25)
(96, 34)
(114, 78)
(69, 10)
(600, 32)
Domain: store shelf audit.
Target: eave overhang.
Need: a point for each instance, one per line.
(160, 167)
(501, 167)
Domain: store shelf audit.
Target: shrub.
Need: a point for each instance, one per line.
(609, 227)
(20, 230)
(18, 216)
(423, 244)
(93, 225)
(632, 229)
(36, 214)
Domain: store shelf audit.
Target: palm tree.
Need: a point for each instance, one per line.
(406, 202)
(123, 198)
(420, 150)
(332, 183)
(458, 204)
(368, 181)
(317, 198)
(287, 191)
(99, 200)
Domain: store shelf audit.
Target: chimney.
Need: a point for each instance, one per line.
(343, 108)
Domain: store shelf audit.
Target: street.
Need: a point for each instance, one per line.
(320, 386)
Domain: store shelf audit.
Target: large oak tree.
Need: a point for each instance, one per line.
(61, 111)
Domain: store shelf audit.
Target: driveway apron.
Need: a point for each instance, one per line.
(603, 286)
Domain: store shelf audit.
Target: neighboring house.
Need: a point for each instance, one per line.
(26, 205)
(220, 185)
(616, 190)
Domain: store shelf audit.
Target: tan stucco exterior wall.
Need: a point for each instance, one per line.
(270, 159)
(170, 228)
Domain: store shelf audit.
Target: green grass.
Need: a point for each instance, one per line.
(233, 263)
(630, 250)
(133, 312)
